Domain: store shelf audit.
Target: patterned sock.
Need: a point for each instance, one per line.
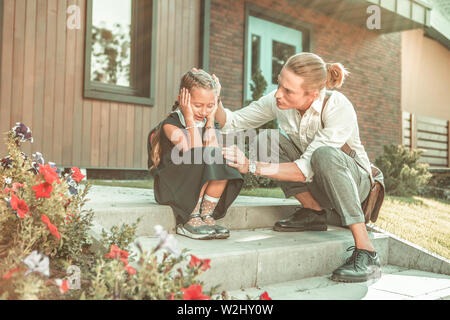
(196, 222)
(207, 208)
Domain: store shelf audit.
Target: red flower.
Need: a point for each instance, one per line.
(130, 270)
(19, 205)
(77, 175)
(194, 292)
(49, 173)
(43, 190)
(15, 187)
(45, 219)
(205, 265)
(116, 253)
(265, 296)
(8, 275)
(54, 231)
(196, 262)
(51, 227)
(8, 190)
(64, 287)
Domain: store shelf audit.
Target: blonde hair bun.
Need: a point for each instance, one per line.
(336, 74)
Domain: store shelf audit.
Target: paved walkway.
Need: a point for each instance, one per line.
(396, 283)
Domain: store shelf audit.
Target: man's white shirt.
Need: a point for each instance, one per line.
(340, 125)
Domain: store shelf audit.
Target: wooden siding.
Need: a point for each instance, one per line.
(430, 135)
(42, 65)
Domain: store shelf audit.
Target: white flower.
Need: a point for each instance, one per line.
(37, 262)
(37, 157)
(8, 180)
(167, 241)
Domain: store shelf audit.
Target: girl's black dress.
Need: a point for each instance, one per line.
(179, 185)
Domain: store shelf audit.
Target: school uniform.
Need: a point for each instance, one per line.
(179, 184)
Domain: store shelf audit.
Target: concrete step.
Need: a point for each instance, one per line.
(396, 283)
(257, 257)
(251, 258)
(114, 206)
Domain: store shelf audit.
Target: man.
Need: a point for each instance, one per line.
(312, 167)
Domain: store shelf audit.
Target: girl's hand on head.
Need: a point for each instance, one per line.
(212, 115)
(185, 105)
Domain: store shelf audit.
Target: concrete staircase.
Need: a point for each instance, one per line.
(287, 265)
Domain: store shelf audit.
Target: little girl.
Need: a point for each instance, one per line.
(197, 193)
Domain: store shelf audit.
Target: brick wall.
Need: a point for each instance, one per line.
(374, 62)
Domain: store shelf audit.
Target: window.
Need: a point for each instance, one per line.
(280, 54)
(119, 44)
(256, 45)
(271, 38)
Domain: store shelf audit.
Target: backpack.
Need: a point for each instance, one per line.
(149, 145)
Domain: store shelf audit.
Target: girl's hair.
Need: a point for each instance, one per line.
(316, 73)
(190, 80)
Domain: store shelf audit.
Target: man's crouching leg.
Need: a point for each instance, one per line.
(338, 176)
(310, 217)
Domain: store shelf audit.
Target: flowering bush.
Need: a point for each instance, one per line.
(40, 216)
(158, 275)
(44, 229)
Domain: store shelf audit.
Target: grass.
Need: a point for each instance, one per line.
(144, 184)
(148, 184)
(422, 221)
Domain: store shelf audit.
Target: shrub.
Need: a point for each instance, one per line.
(403, 175)
(121, 237)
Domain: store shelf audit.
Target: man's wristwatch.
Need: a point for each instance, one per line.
(252, 167)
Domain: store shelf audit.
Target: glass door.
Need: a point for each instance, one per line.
(269, 47)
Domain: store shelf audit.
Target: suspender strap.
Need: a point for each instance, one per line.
(345, 148)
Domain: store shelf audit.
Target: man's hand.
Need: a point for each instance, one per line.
(218, 85)
(236, 158)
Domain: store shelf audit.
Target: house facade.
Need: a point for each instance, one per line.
(92, 77)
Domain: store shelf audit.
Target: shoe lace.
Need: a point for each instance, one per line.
(356, 256)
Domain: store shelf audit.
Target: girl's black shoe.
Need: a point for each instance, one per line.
(221, 232)
(203, 232)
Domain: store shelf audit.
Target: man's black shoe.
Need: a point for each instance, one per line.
(361, 266)
(303, 220)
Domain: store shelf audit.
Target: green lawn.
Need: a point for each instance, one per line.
(148, 184)
(423, 221)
